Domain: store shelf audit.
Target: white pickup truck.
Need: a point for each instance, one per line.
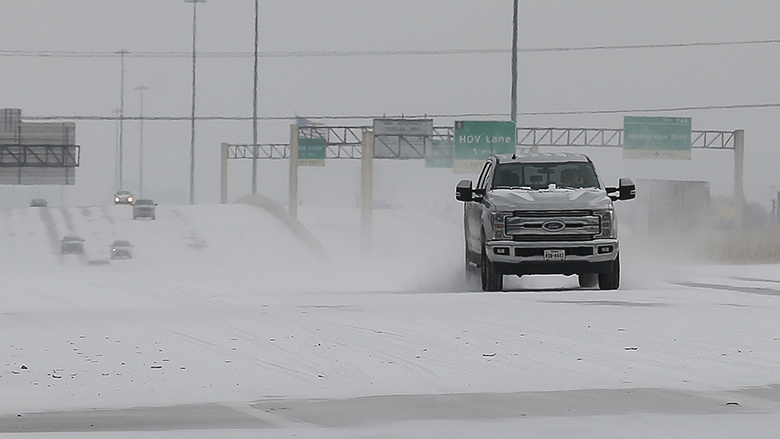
(542, 214)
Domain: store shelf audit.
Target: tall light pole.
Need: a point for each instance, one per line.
(116, 149)
(254, 104)
(192, 118)
(141, 89)
(122, 54)
(514, 63)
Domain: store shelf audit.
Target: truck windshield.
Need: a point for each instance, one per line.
(572, 175)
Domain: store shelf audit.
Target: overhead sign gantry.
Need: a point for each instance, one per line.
(36, 153)
(350, 142)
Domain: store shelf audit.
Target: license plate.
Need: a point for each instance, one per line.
(554, 255)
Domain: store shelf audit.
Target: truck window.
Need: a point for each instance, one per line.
(572, 175)
(482, 182)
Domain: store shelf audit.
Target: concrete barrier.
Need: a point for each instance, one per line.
(281, 212)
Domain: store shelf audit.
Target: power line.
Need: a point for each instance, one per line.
(407, 116)
(312, 54)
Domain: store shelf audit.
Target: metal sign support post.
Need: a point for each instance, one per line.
(293, 175)
(223, 181)
(739, 171)
(367, 190)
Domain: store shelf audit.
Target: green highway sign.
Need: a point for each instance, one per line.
(657, 137)
(475, 141)
(311, 152)
(439, 155)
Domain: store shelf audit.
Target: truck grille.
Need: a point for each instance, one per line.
(568, 225)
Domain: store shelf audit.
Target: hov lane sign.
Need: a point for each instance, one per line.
(475, 141)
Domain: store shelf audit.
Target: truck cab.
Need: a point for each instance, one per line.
(543, 213)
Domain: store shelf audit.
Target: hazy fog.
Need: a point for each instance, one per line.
(80, 78)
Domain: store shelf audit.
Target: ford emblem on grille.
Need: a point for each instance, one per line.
(553, 226)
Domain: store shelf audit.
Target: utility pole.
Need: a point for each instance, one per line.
(122, 54)
(514, 63)
(192, 118)
(116, 148)
(254, 103)
(141, 89)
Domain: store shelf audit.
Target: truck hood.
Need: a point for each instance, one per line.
(549, 199)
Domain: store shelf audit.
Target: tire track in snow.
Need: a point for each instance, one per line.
(237, 356)
(10, 234)
(51, 231)
(107, 215)
(314, 367)
(192, 238)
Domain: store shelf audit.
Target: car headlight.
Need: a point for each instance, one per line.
(116, 199)
(129, 199)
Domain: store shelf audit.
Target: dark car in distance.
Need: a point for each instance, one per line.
(39, 202)
(144, 208)
(121, 249)
(72, 245)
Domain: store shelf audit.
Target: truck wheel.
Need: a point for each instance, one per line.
(611, 280)
(588, 280)
(491, 279)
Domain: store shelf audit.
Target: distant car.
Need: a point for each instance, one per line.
(124, 197)
(144, 208)
(72, 245)
(121, 249)
(39, 202)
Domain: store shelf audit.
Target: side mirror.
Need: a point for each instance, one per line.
(626, 190)
(464, 191)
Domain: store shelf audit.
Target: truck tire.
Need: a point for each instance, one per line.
(587, 280)
(611, 280)
(491, 279)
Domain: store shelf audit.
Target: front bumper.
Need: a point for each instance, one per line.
(121, 254)
(516, 257)
(143, 213)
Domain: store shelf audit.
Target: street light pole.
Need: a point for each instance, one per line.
(192, 118)
(122, 54)
(254, 104)
(141, 89)
(514, 63)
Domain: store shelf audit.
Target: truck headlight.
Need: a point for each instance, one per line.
(607, 224)
(498, 219)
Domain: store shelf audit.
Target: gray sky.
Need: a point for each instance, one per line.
(393, 85)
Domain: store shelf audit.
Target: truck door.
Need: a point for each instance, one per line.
(473, 210)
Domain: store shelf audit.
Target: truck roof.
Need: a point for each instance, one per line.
(547, 157)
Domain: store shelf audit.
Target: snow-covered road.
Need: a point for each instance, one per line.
(223, 306)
